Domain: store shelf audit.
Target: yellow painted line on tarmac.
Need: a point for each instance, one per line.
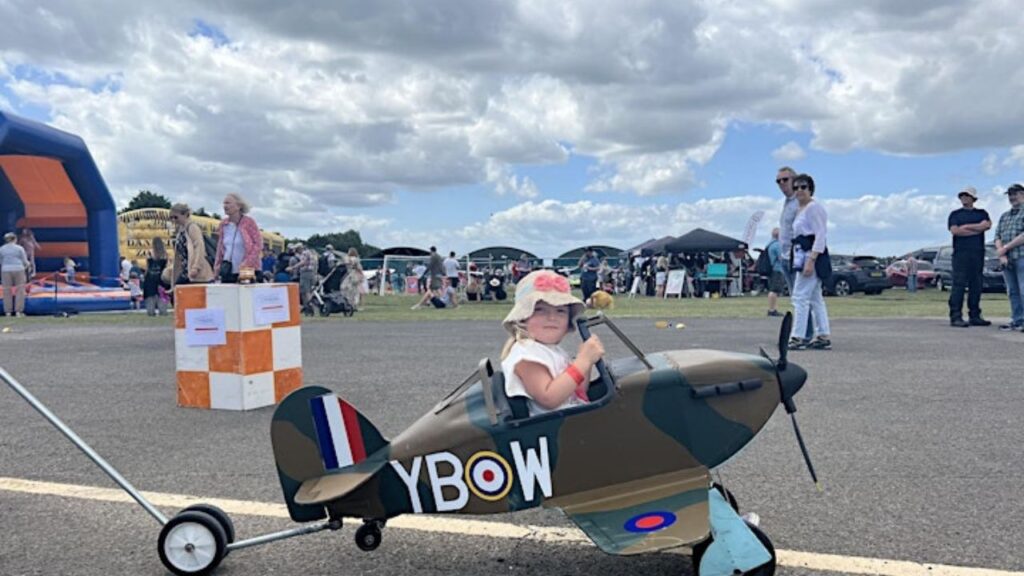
(490, 529)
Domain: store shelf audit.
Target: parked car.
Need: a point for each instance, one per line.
(856, 274)
(992, 278)
(897, 274)
(926, 254)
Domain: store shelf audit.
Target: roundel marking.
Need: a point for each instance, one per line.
(649, 522)
(488, 475)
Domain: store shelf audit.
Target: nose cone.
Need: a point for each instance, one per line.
(792, 380)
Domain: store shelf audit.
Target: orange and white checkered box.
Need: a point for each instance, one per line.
(258, 365)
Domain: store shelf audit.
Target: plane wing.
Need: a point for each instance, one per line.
(655, 513)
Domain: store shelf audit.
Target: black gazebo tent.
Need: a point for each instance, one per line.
(701, 240)
(400, 251)
(500, 253)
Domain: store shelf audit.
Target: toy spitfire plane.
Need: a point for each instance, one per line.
(630, 468)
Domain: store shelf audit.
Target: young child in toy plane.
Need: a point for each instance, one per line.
(625, 456)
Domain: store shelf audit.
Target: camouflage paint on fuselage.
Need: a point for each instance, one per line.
(453, 460)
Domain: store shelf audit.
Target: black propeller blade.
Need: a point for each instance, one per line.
(784, 330)
(790, 381)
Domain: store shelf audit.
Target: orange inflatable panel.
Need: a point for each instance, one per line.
(62, 249)
(44, 188)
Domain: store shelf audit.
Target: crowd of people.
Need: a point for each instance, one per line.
(797, 262)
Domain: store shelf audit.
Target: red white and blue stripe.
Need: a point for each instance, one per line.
(337, 431)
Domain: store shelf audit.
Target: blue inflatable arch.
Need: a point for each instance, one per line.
(49, 183)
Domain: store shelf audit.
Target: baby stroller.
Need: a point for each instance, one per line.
(326, 297)
(494, 287)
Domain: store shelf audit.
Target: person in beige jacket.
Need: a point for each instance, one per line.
(190, 264)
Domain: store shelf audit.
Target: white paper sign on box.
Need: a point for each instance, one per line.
(270, 305)
(205, 327)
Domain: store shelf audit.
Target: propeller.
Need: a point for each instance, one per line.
(791, 379)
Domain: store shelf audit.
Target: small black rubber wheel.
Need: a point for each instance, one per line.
(766, 569)
(729, 497)
(368, 536)
(218, 515)
(192, 542)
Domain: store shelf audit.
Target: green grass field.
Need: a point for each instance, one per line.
(891, 303)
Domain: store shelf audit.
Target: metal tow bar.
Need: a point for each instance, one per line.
(203, 534)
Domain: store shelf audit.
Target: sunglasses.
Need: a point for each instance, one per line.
(781, 180)
(801, 187)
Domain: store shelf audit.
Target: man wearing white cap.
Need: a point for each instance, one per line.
(968, 225)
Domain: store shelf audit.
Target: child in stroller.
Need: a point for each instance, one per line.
(326, 296)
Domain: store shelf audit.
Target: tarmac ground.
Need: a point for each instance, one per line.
(914, 428)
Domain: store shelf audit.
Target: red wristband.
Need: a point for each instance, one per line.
(575, 374)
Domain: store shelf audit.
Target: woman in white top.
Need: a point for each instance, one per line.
(809, 244)
(13, 266)
(534, 364)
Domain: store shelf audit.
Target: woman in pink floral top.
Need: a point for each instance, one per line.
(239, 242)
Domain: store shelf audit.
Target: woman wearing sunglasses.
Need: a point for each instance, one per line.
(190, 265)
(812, 265)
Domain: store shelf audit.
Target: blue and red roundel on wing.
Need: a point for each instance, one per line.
(650, 522)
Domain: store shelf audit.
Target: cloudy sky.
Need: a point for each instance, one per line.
(544, 124)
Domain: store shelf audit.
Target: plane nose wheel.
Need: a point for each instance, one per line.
(193, 542)
(766, 569)
(368, 536)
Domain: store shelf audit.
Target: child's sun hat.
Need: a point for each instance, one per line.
(536, 286)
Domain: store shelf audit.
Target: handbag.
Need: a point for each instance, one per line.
(224, 273)
(823, 265)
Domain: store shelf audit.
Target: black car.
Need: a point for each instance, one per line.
(992, 278)
(856, 274)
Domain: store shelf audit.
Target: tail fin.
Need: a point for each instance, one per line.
(314, 434)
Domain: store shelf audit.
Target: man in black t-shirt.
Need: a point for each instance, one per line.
(968, 226)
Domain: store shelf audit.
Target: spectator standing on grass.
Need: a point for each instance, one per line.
(968, 225)
(810, 255)
(588, 266)
(353, 280)
(790, 207)
(523, 267)
(305, 269)
(660, 275)
(151, 279)
(777, 278)
(420, 271)
(451, 270)
(911, 273)
(13, 266)
(1009, 242)
(435, 270)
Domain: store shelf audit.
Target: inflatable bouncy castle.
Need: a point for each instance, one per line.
(138, 228)
(50, 184)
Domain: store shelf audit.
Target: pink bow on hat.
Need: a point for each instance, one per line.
(551, 282)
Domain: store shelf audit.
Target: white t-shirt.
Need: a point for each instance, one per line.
(553, 357)
(419, 270)
(234, 246)
(451, 267)
(126, 269)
